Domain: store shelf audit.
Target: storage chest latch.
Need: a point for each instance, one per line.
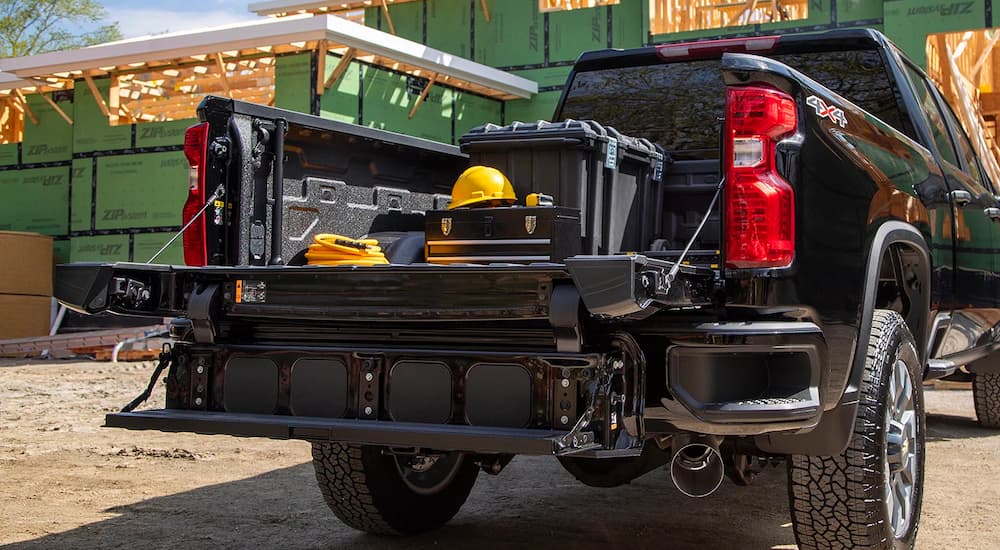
(611, 160)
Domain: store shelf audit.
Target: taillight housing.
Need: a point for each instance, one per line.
(759, 205)
(195, 146)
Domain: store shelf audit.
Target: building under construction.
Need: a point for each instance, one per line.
(91, 138)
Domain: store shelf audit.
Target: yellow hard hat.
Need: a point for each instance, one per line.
(481, 184)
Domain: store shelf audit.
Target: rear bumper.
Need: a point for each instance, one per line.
(744, 379)
(443, 437)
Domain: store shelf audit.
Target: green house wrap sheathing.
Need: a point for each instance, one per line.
(849, 11)
(542, 107)
(819, 16)
(145, 190)
(449, 26)
(51, 140)
(35, 200)
(81, 194)
(407, 20)
(548, 77)
(388, 101)
(99, 248)
(472, 110)
(9, 154)
(60, 250)
(162, 134)
(293, 82)
(514, 36)
(145, 245)
(575, 31)
(341, 101)
(91, 130)
(908, 22)
(630, 24)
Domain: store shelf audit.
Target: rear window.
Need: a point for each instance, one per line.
(680, 105)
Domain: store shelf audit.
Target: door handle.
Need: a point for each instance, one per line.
(960, 197)
(992, 213)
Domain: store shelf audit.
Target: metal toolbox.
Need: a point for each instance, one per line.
(515, 234)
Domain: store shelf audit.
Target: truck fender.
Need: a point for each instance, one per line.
(833, 433)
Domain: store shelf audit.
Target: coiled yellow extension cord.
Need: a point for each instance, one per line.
(330, 249)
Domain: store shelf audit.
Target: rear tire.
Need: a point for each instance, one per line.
(386, 494)
(986, 394)
(869, 496)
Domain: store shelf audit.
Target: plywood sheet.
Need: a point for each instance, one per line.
(817, 14)
(630, 24)
(144, 245)
(82, 194)
(472, 110)
(162, 134)
(514, 36)
(908, 22)
(541, 107)
(551, 76)
(100, 248)
(340, 101)
(449, 26)
(35, 200)
(293, 82)
(407, 20)
(50, 140)
(575, 31)
(146, 190)
(9, 153)
(387, 104)
(858, 10)
(91, 129)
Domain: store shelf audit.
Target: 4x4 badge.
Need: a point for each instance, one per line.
(823, 110)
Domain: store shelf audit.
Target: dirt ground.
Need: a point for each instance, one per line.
(65, 482)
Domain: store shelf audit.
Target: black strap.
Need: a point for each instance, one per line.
(165, 357)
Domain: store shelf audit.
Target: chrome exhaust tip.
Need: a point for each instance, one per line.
(697, 469)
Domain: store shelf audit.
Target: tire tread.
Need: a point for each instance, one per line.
(986, 395)
(831, 497)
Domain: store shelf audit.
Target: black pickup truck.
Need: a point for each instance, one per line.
(773, 242)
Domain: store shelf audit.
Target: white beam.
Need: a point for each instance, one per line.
(269, 32)
(367, 39)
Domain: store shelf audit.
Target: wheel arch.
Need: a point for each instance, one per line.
(891, 240)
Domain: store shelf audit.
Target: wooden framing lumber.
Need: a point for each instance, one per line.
(101, 104)
(321, 48)
(341, 68)
(223, 78)
(422, 96)
(388, 18)
(27, 110)
(57, 109)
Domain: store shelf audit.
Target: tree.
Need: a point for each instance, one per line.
(35, 26)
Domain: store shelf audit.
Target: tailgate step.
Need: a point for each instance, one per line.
(444, 437)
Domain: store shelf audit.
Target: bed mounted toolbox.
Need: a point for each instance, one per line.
(612, 179)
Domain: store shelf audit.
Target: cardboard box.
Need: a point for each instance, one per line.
(27, 264)
(24, 316)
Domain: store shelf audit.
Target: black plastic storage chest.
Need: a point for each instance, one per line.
(611, 178)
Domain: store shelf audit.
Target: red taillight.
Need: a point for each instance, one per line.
(759, 204)
(195, 143)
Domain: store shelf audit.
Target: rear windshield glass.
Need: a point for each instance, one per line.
(680, 105)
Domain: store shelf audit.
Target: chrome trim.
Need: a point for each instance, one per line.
(490, 241)
(434, 259)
